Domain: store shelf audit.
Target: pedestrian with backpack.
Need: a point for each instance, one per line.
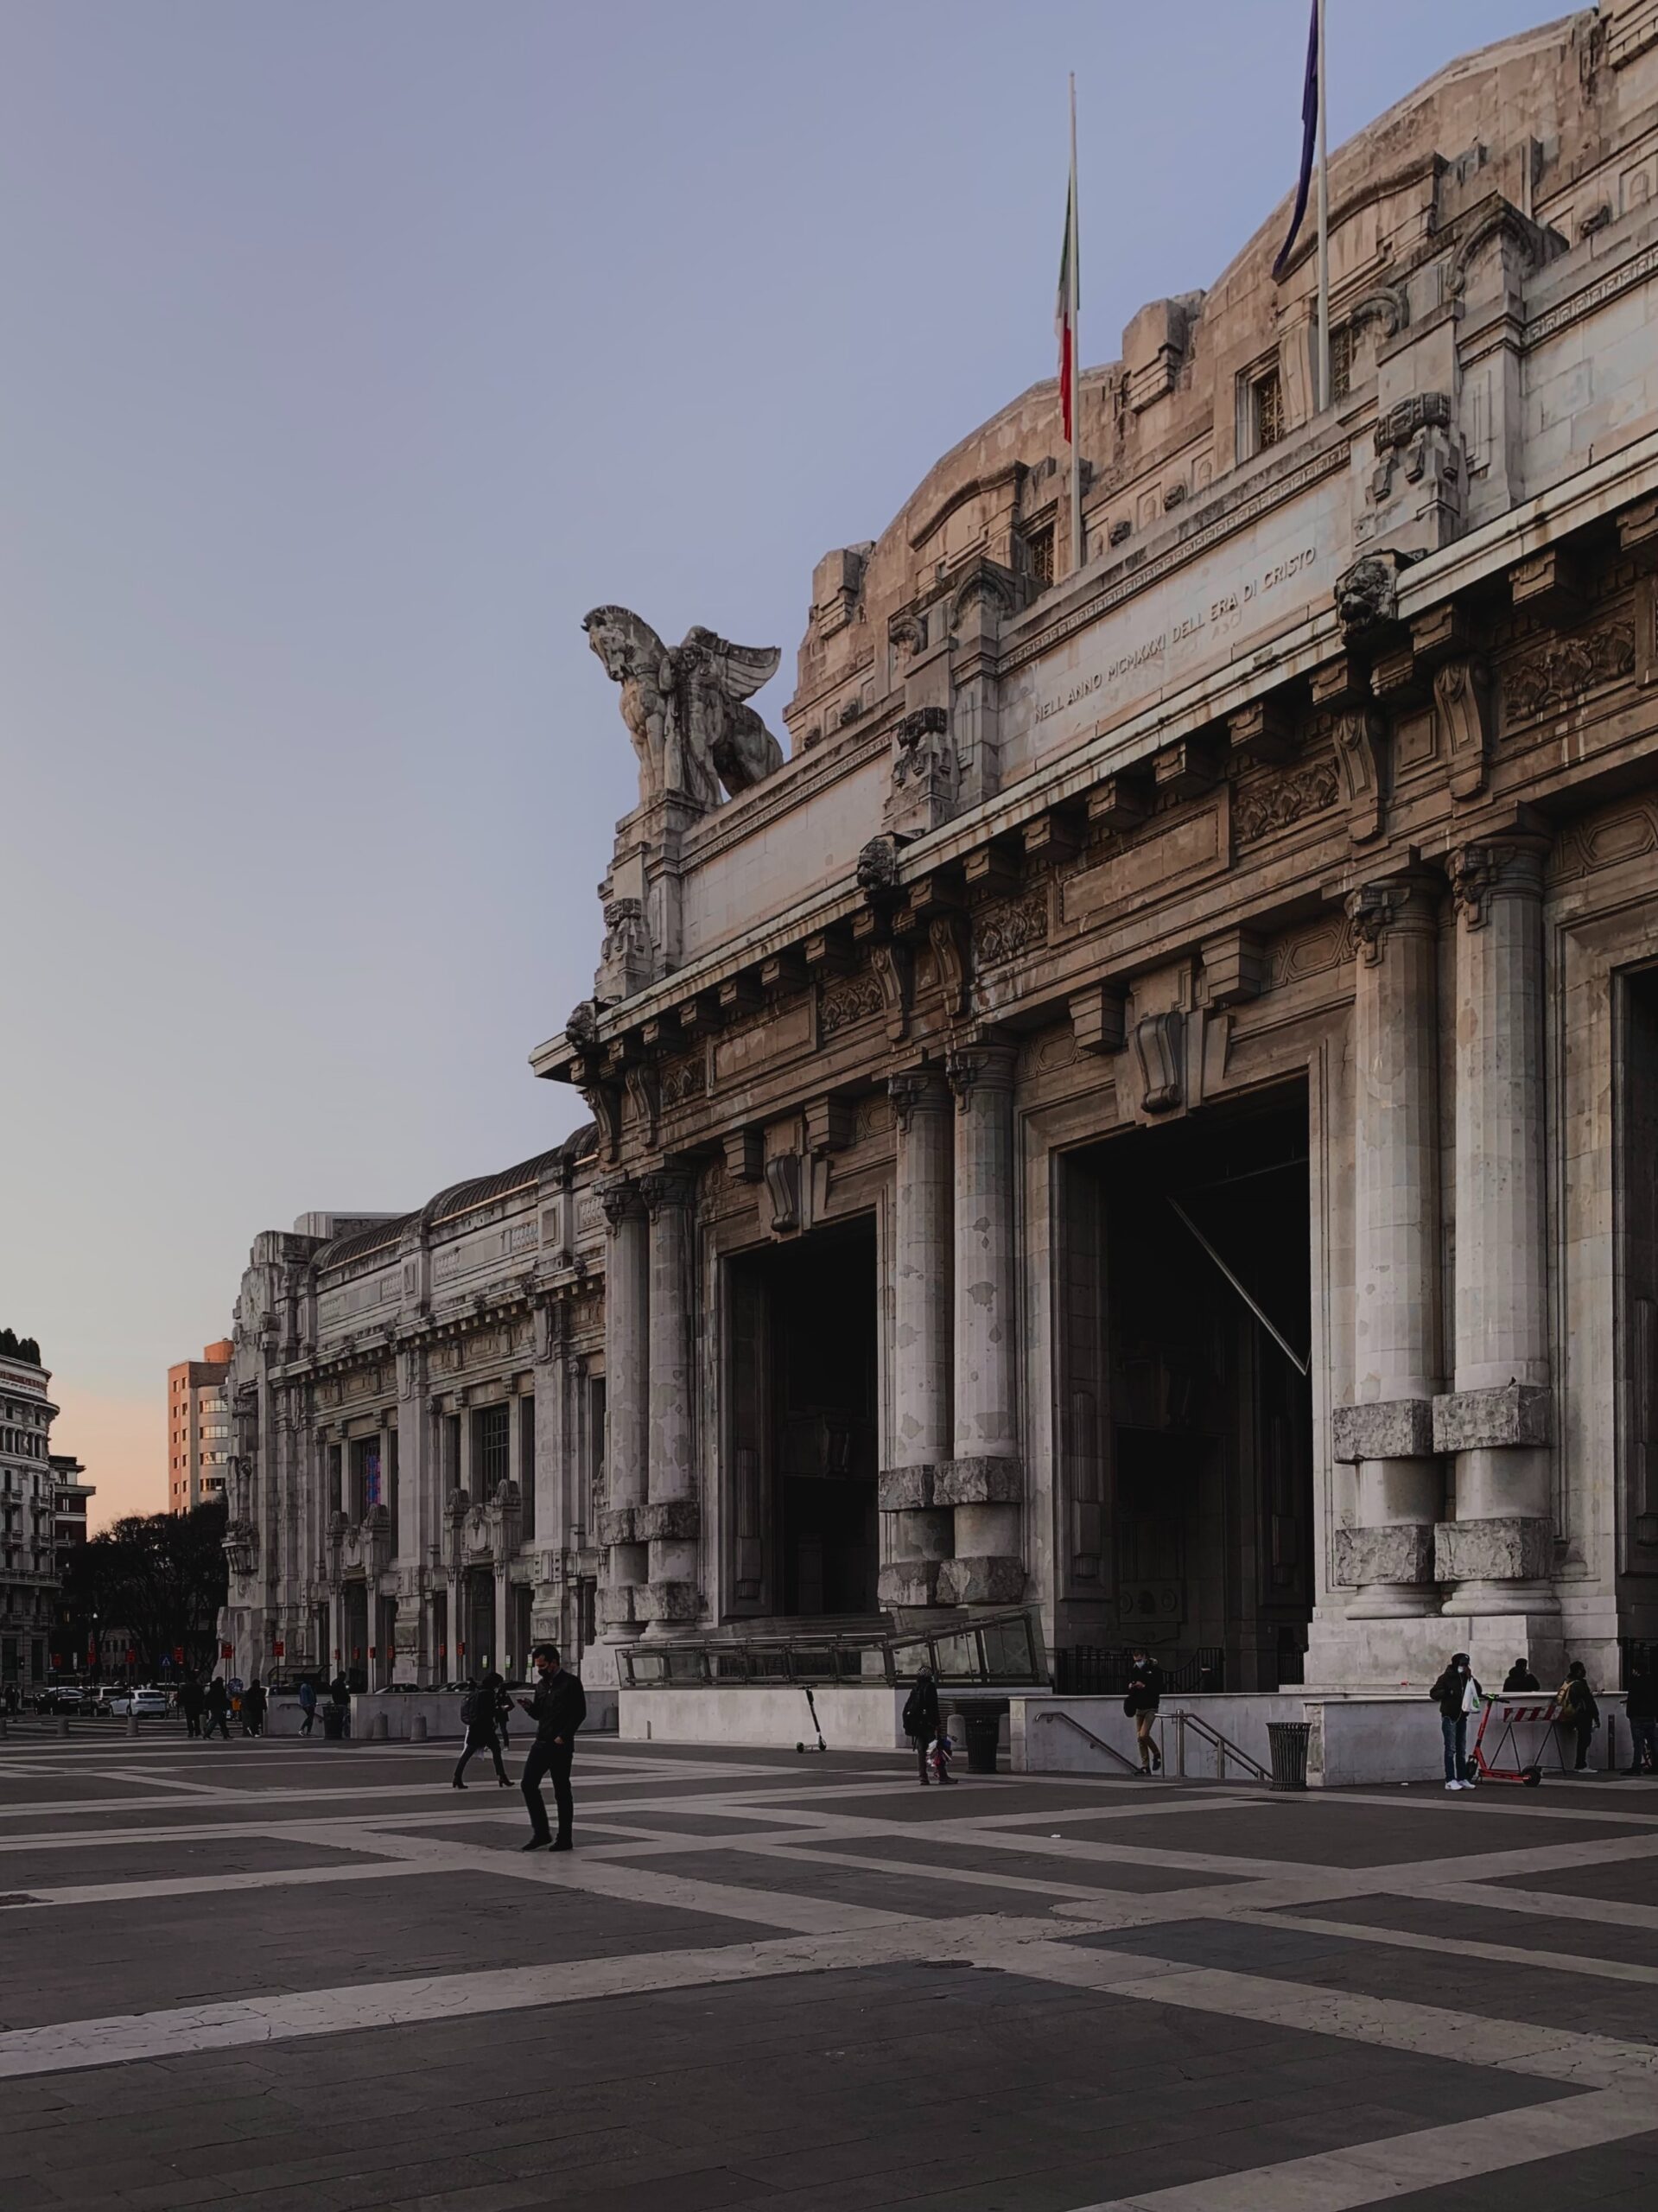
(1459, 1695)
(1575, 1706)
(919, 1719)
(482, 1715)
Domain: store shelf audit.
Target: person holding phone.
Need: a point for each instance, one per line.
(558, 1708)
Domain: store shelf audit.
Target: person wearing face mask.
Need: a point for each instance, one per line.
(1457, 1694)
(558, 1708)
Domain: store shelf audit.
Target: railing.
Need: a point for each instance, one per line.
(1128, 1765)
(1223, 1746)
(1101, 1670)
(1003, 1649)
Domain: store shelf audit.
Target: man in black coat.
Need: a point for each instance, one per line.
(921, 1719)
(1452, 1694)
(1641, 1708)
(558, 1708)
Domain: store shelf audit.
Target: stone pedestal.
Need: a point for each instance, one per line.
(918, 1531)
(1498, 1551)
(983, 1480)
(627, 1304)
(1386, 1433)
(668, 1521)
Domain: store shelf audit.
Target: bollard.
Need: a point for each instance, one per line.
(132, 1724)
(379, 1729)
(417, 1729)
(3, 1727)
(63, 1724)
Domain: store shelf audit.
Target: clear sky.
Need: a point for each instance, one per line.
(354, 348)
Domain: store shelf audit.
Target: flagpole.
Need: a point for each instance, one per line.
(1323, 222)
(1076, 378)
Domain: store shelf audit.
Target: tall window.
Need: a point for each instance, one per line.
(1267, 407)
(451, 1452)
(527, 1466)
(489, 1443)
(335, 1472)
(364, 1475)
(1038, 556)
(1341, 361)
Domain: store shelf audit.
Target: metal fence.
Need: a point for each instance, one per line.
(1101, 1669)
(1001, 1648)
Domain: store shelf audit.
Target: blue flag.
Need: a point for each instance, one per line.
(1309, 138)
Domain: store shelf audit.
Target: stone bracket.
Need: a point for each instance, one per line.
(1513, 1549)
(1394, 1428)
(979, 1482)
(909, 1584)
(618, 1526)
(1402, 1551)
(1518, 1413)
(667, 1601)
(996, 1580)
(616, 1605)
(676, 1519)
(905, 1490)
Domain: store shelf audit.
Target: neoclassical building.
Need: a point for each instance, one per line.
(1150, 1110)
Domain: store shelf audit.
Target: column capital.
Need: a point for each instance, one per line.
(622, 1200)
(917, 1091)
(1407, 902)
(665, 1187)
(987, 1065)
(1495, 867)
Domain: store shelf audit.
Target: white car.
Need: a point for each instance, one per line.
(149, 1704)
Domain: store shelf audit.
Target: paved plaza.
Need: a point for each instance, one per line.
(279, 1975)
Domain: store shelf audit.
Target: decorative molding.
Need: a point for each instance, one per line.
(1277, 801)
(1010, 926)
(855, 998)
(1461, 694)
(1361, 753)
(1478, 871)
(683, 1080)
(1549, 679)
(1158, 1038)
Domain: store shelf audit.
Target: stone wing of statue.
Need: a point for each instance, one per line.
(716, 678)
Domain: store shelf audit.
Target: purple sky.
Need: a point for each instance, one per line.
(352, 352)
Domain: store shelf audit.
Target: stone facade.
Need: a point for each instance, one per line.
(28, 1567)
(1308, 834)
(417, 1406)
(1151, 1109)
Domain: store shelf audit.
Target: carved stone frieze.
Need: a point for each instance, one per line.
(852, 999)
(1276, 802)
(683, 1080)
(1550, 678)
(1008, 927)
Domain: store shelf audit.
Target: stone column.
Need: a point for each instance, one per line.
(627, 1305)
(919, 1531)
(984, 1479)
(668, 1521)
(1499, 1549)
(1388, 1433)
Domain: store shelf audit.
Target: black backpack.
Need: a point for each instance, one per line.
(911, 1720)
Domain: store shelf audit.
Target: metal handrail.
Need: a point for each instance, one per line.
(1223, 1746)
(1098, 1742)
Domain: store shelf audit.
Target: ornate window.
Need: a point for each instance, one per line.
(1038, 557)
(1341, 361)
(1266, 408)
(489, 1450)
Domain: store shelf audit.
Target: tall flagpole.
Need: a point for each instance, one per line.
(1323, 222)
(1076, 378)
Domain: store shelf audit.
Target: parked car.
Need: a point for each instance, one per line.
(63, 1697)
(146, 1704)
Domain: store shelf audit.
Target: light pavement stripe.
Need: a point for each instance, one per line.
(1547, 1904)
(124, 2038)
(1396, 2165)
(1462, 1946)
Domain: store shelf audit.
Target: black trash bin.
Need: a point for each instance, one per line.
(1289, 1741)
(333, 1722)
(982, 1730)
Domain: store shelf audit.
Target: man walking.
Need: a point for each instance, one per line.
(1640, 1709)
(1144, 1696)
(306, 1705)
(1457, 1694)
(558, 1708)
(219, 1709)
(253, 1709)
(1575, 1703)
(920, 1717)
(483, 1713)
(190, 1705)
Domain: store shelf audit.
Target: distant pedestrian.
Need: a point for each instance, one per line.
(1640, 1710)
(919, 1719)
(340, 1691)
(1520, 1677)
(1457, 1694)
(306, 1705)
(1575, 1707)
(219, 1709)
(191, 1704)
(558, 1708)
(253, 1709)
(482, 1714)
(1144, 1695)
